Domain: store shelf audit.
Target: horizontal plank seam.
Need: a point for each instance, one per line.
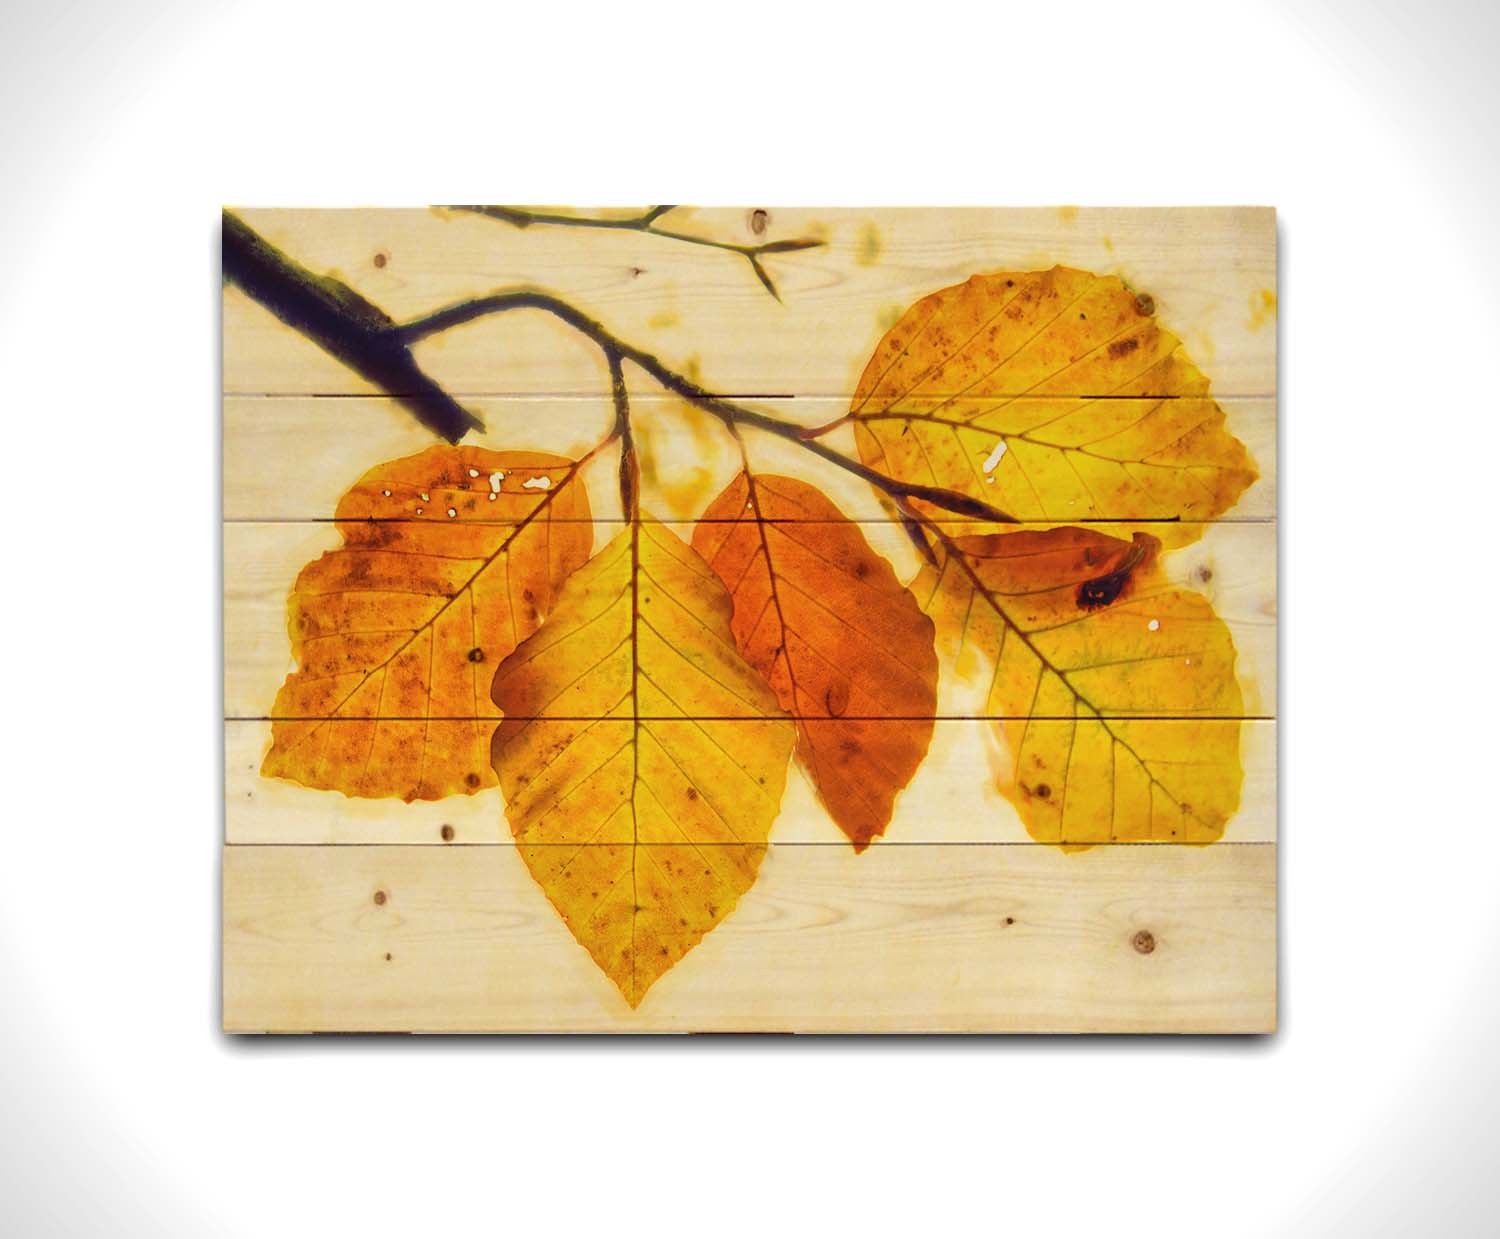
(744, 718)
(592, 393)
(789, 843)
(955, 519)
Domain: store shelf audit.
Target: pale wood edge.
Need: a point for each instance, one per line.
(908, 940)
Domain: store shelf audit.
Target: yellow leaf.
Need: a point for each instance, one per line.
(642, 759)
(1092, 650)
(841, 641)
(1053, 396)
(450, 558)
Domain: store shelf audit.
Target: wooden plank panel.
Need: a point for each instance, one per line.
(702, 311)
(291, 458)
(951, 800)
(919, 939)
(343, 913)
(1233, 565)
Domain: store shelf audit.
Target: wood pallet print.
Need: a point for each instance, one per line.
(833, 620)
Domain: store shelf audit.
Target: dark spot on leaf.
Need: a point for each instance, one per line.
(1144, 942)
(1010, 920)
(1102, 591)
(758, 221)
(692, 793)
(471, 779)
(1205, 574)
(1145, 303)
(1042, 791)
(380, 260)
(379, 898)
(447, 833)
(836, 699)
(1122, 348)
(476, 655)
(387, 957)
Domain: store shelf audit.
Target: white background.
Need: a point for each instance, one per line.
(124, 127)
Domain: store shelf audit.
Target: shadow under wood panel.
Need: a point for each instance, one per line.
(913, 939)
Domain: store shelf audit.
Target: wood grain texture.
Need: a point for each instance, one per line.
(355, 914)
(913, 939)
(953, 799)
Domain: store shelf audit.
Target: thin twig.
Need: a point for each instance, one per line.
(727, 411)
(522, 217)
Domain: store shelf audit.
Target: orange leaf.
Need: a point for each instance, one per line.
(841, 641)
(642, 759)
(450, 558)
(1053, 396)
(1114, 690)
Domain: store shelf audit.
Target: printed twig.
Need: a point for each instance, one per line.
(522, 217)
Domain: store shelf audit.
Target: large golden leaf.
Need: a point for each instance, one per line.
(450, 558)
(1053, 396)
(642, 759)
(841, 641)
(1092, 652)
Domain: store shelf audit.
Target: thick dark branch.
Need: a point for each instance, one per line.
(335, 317)
(522, 217)
(726, 411)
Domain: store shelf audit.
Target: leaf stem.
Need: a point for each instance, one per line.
(630, 469)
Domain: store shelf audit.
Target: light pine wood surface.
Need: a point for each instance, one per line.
(350, 914)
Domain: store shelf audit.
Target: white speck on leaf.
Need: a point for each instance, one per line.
(495, 479)
(1154, 625)
(423, 496)
(473, 473)
(386, 493)
(452, 511)
(993, 458)
(537, 483)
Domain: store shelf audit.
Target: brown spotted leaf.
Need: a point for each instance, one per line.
(1053, 396)
(1114, 690)
(450, 558)
(841, 641)
(642, 759)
